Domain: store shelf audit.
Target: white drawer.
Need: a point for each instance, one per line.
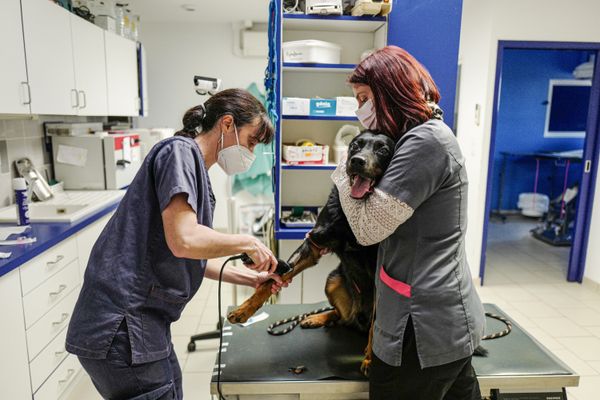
(51, 292)
(43, 365)
(60, 380)
(51, 324)
(42, 267)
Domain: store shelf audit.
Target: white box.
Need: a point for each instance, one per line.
(295, 106)
(346, 106)
(299, 155)
(311, 51)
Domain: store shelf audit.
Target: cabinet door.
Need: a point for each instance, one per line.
(47, 29)
(14, 378)
(13, 79)
(90, 67)
(121, 75)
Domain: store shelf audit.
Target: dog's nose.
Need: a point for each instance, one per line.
(357, 162)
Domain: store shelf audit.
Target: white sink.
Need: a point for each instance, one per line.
(66, 207)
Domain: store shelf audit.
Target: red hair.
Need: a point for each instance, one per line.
(401, 88)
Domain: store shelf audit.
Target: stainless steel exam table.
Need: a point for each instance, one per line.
(256, 365)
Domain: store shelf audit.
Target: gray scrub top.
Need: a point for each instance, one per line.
(423, 271)
(132, 274)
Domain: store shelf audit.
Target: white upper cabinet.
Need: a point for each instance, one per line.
(121, 73)
(47, 31)
(90, 67)
(14, 98)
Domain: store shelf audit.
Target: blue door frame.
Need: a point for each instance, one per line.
(590, 152)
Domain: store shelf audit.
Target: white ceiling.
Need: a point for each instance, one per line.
(206, 10)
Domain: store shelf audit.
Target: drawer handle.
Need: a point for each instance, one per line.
(61, 289)
(60, 353)
(70, 373)
(63, 318)
(59, 258)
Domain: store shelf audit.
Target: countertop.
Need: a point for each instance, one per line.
(48, 235)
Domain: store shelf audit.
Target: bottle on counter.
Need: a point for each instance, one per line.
(22, 201)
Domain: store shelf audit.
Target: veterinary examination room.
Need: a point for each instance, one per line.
(299, 200)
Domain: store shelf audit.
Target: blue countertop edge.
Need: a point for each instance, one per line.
(48, 235)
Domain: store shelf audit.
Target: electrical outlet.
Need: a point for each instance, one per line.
(477, 114)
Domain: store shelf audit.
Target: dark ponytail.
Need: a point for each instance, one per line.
(240, 104)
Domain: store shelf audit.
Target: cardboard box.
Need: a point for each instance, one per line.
(346, 106)
(306, 155)
(322, 107)
(295, 106)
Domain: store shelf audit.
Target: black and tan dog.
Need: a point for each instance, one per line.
(350, 287)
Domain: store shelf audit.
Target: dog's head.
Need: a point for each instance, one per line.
(369, 154)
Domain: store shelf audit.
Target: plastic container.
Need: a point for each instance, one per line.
(22, 203)
(533, 204)
(311, 51)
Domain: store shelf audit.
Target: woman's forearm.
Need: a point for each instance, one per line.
(231, 274)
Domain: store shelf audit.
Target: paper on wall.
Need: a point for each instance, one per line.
(71, 155)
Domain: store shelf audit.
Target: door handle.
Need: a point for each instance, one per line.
(84, 102)
(74, 104)
(26, 90)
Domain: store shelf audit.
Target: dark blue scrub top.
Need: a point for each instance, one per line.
(131, 273)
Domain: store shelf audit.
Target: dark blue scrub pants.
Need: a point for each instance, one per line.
(116, 378)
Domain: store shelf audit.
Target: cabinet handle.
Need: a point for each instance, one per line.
(82, 93)
(74, 104)
(70, 373)
(60, 352)
(63, 318)
(28, 91)
(59, 258)
(61, 289)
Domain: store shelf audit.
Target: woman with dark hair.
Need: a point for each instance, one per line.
(151, 258)
(429, 318)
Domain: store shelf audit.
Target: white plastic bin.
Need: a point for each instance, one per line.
(533, 204)
(311, 51)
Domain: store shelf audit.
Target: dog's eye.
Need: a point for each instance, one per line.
(383, 151)
(353, 146)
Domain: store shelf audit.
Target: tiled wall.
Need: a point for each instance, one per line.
(24, 138)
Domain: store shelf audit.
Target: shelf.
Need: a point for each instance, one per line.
(331, 23)
(306, 67)
(292, 233)
(309, 167)
(315, 118)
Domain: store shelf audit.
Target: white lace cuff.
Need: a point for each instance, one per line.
(372, 219)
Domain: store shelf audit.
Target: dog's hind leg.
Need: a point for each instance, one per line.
(366, 363)
(339, 298)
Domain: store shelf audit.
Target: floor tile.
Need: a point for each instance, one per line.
(575, 363)
(582, 316)
(196, 386)
(588, 388)
(586, 348)
(560, 327)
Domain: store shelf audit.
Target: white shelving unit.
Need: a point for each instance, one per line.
(309, 186)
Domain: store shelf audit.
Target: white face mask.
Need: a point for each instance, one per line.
(366, 115)
(235, 159)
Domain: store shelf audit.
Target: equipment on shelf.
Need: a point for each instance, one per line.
(371, 7)
(533, 204)
(557, 227)
(205, 85)
(324, 7)
(343, 138)
(311, 51)
(298, 217)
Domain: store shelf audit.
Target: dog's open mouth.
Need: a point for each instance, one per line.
(361, 186)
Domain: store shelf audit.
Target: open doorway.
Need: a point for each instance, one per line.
(544, 136)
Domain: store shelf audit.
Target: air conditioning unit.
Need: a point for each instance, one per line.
(250, 39)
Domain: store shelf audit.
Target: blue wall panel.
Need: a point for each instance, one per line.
(430, 31)
(521, 119)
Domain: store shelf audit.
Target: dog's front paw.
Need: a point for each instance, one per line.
(238, 316)
(365, 366)
(313, 321)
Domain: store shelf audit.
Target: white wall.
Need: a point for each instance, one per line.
(175, 53)
(485, 22)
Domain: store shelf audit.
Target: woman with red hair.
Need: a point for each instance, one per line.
(429, 318)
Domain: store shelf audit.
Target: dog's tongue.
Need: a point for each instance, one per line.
(360, 187)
